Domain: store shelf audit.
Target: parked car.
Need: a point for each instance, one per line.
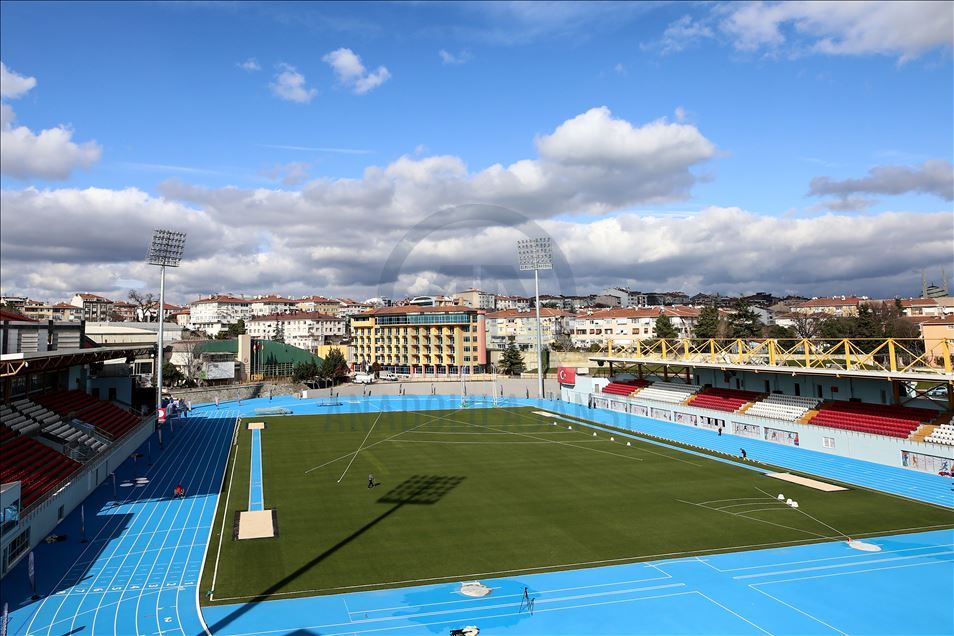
(363, 378)
(387, 375)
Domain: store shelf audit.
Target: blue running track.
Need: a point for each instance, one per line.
(140, 570)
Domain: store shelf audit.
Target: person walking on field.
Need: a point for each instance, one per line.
(370, 481)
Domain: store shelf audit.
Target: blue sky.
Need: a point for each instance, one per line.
(757, 101)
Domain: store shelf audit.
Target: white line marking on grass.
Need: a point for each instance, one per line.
(380, 442)
(634, 436)
(511, 443)
(812, 518)
(741, 515)
(735, 499)
(814, 618)
(355, 455)
(553, 441)
(225, 512)
(712, 600)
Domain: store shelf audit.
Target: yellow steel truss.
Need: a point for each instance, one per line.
(894, 355)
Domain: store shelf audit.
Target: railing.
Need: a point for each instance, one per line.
(895, 355)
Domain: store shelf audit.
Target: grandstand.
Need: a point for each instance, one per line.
(57, 438)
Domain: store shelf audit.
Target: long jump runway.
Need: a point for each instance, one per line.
(139, 572)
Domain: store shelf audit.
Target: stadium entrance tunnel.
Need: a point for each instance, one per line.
(417, 490)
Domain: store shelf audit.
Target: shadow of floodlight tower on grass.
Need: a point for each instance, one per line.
(417, 490)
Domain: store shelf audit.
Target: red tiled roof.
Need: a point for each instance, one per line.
(545, 312)
(94, 297)
(918, 302)
(847, 301)
(297, 315)
(643, 312)
(9, 314)
(220, 298)
(415, 309)
(316, 299)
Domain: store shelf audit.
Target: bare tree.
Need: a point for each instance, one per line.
(806, 325)
(190, 357)
(145, 303)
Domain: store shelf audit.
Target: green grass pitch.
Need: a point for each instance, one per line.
(477, 493)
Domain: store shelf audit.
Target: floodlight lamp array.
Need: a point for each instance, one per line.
(166, 248)
(535, 254)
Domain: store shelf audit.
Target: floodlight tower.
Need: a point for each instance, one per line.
(536, 254)
(165, 251)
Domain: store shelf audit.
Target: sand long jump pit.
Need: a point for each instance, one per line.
(805, 481)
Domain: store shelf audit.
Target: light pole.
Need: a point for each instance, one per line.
(165, 251)
(536, 254)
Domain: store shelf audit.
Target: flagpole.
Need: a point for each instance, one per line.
(83, 523)
(31, 572)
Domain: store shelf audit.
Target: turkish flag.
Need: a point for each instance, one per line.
(566, 375)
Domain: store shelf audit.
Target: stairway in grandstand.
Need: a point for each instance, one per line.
(727, 400)
(28, 418)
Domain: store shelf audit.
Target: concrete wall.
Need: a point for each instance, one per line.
(237, 391)
(864, 446)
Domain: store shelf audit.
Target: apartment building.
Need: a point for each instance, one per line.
(59, 312)
(268, 305)
(95, 308)
(519, 303)
(833, 306)
(476, 299)
(318, 303)
(216, 313)
(520, 327)
(303, 329)
(624, 297)
(625, 326)
(421, 340)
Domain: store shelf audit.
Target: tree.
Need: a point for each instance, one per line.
(807, 325)
(279, 331)
(171, 376)
(305, 371)
(234, 331)
(511, 362)
(562, 342)
(665, 330)
(190, 358)
(376, 368)
(145, 303)
(707, 325)
(333, 368)
(781, 333)
(744, 323)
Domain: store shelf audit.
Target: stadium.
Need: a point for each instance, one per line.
(688, 489)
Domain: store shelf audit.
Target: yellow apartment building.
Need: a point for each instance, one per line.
(421, 340)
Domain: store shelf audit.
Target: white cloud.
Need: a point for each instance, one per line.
(680, 35)
(351, 72)
(680, 113)
(49, 154)
(907, 29)
(13, 85)
(250, 65)
(448, 58)
(290, 85)
(620, 68)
